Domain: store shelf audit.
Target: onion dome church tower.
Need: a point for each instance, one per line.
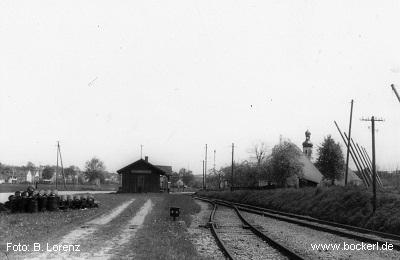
(307, 145)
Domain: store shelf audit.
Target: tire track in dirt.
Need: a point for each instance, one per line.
(88, 229)
(126, 233)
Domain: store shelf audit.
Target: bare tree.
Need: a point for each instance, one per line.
(259, 151)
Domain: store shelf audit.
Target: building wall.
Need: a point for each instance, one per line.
(133, 183)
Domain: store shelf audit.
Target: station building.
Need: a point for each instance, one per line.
(142, 176)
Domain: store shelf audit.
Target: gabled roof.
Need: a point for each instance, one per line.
(166, 169)
(143, 162)
(310, 172)
(351, 178)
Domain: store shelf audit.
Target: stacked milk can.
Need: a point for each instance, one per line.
(32, 201)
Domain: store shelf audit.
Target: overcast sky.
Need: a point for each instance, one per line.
(103, 77)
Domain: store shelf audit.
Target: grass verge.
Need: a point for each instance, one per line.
(347, 205)
(46, 227)
(163, 238)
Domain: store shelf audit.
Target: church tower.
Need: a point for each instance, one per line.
(307, 145)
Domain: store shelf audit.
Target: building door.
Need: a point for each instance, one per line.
(140, 183)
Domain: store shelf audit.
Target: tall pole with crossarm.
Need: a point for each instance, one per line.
(373, 120)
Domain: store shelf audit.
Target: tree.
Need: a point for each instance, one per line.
(330, 160)
(245, 174)
(94, 169)
(284, 162)
(260, 152)
(5, 169)
(71, 171)
(47, 173)
(30, 166)
(186, 176)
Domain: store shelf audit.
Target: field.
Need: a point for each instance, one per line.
(6, 187)
(158, 238)
(347, 205)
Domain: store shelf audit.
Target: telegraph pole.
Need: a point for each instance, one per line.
(348, 145)
(205, 171)
(141, 150)
(395, 92)
(233, 148)
(370, 164)
(62, 166)
(57, 165)
(373, 119)
(214, 162)
(215, 173)
(203, 174)
(352, 156)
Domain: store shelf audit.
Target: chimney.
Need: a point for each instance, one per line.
(146, 158)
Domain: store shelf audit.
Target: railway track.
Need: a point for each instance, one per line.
(347, 231)
(238, 239)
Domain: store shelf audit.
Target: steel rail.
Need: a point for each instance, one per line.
(212, 226)
(291, 218)
(282, 249)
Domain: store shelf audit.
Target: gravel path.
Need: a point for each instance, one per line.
(242, 242)
(299, 239)
(200, 236)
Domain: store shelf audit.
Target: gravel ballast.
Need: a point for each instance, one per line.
(201, 236)
(242, 242)
(300, 238)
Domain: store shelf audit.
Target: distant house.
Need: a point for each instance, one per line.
(3, 178)
(29, 177)
(12, 179)
(352, 179)
(36, 177)
(142, 176)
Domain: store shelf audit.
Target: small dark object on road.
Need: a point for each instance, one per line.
(174, 212)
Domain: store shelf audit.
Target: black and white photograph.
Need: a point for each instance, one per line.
(187, 129)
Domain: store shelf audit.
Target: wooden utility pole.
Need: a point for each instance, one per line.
(395, 92)
(62, 166)
(367, 165)
(214, 170)
(57, 167)
(214, 161)
(357, 162)
(141, 150)
(205, 170)
(348, 145)
(352, 155)
(203, 174)
(370, 165)
(373, 119)
(233, 148)
(362, 162)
